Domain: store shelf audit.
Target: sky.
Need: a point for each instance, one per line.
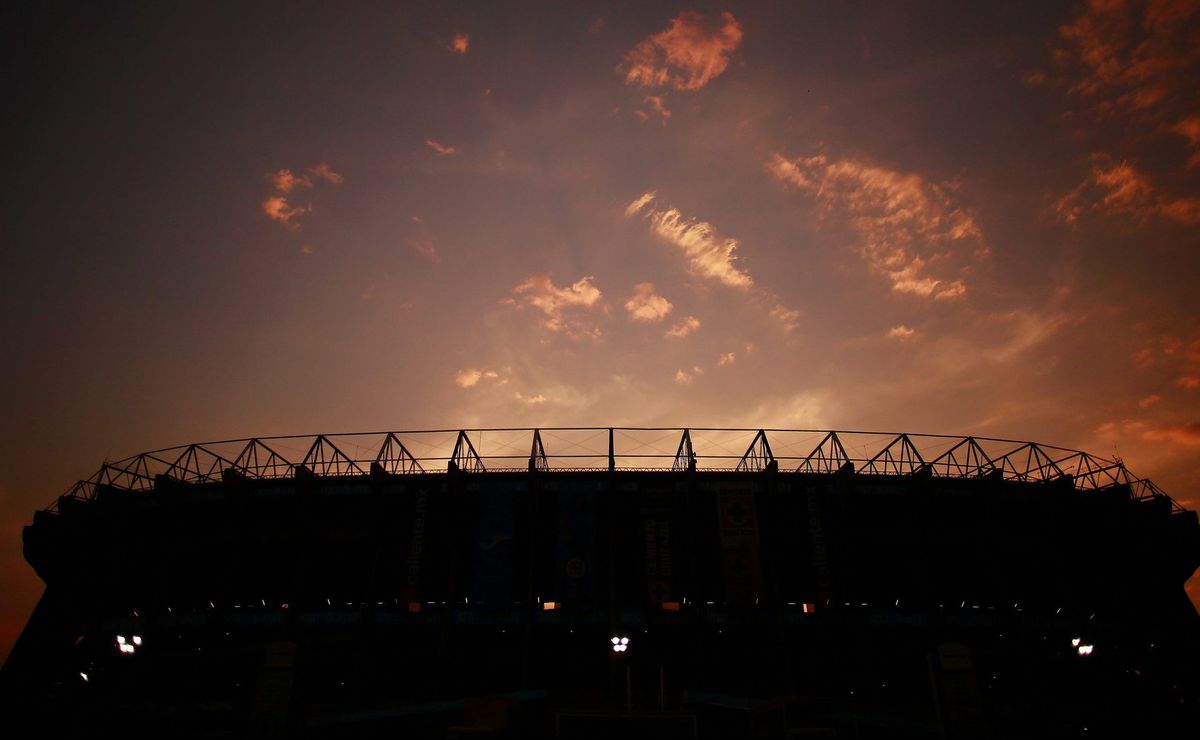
(229, 220)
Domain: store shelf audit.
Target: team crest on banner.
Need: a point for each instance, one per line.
(740, 553)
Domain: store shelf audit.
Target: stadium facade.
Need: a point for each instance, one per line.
(581, 582)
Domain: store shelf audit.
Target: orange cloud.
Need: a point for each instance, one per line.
(326, 173)
(539, 291)
(1188, 382)
(1149, 401)
(684, 327)
(1131, 57)
(901, 332)
(1122, 189)
(460, 43)
(646, 305)
(656, 108)
(905, 224)
(727, 358)
(276, 205)
(426, 249)
(278, 208)
(685, 377)
(284, 181)
(686, 56)
(789, 317)
(707, 254)
(441, 149)
(470, 377)
(1187, 434)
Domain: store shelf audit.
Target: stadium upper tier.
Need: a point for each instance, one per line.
(563, 449)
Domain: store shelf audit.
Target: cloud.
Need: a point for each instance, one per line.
(727, 358)
(441, 149)
(1188, 382)
(789, 317)
(654, 107)
(276, 205)
(470, 377)
(907, 227)
(539, 291)
(284, 181)
(537, 400)
(324, 172)
(646, 305)
(1123, 190)
(639, 203)
(1126, 58)
(708, 255)
(684, 327)
(426, 249)
(278, 208)
(686, 56)
(1149, 401)
(1186, 434)
(684, 377)
(901, 332)
(460, 43)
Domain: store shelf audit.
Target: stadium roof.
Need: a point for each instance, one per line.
(617, 448)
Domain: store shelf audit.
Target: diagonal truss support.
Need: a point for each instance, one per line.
(198, 465)
(829, 456)
(1029, 462)
(464, 457)
(394, 457)
(537, 454)
(325, 459)
(685, 456)
(900, 457)
(964, 460)
(758, 456)
(257, 460)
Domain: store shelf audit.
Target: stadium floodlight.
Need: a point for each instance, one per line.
(1085, 649)
(620, 643)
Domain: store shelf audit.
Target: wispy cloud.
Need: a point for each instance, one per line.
(459, 44)
(686, 56)
(277, 208)
(901, 332)
(788, 317)
(654, 107)
(442, 149)
(1123, 190)
(646, 305)
(471, 376)
(727, 358)
(908, 228)
(687, 377)
(324, 172)
(556, 304)
(1185, 434)
(684, 327)
(708, 255)
(426, 249)
(276, 205)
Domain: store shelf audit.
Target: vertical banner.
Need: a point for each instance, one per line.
(658, 546)
(740, 554)
(575, 543)
(492, 545)
(416, 542)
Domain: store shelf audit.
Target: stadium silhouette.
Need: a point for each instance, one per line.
(576, 582)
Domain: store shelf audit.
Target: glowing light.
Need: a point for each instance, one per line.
(1075, 641)
(137, 640)
(84, 676)
(620, 643)
(1084, 649)
(550, 606)
(120, 639)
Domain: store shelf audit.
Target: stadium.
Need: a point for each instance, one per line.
(577, 582)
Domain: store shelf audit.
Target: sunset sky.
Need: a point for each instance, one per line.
(253, 219)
